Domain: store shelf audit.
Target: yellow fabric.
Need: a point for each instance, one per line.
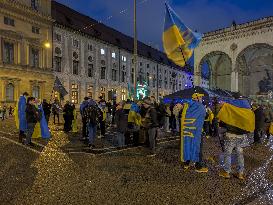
(173, 43)
(127, 106)
(74, 122)
(16, 118)
(37, 131)
(183, 117)
(211, 117)
(238, 117)
(104, 115)
(135, 118)
(271, 128)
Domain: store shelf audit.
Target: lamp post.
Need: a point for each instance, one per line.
(135, 51)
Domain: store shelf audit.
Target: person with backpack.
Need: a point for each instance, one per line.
(238, 119)
(150, 123)
(32, 117)
(92, 113)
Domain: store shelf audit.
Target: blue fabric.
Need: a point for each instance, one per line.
(83, 105)
(241, 103)
(135, 108)
(22, 113)
(194, 118)
(44, 126)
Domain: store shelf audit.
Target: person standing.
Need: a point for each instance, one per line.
(151, 123)
(83, 105)
(46, 109)
(21, 116)
(10, 111)
(56, 111)
(259, 124)
(4, 112)
(68, 116)
(92, 114)
(121, 125)
(32, 117)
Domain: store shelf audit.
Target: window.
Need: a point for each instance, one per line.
(10, 92)
(113, 55)
(102, 51)
(148, 65)
(123, 58)
(90, 70)
(34, 4)
(74, 93)
(148, 79)
(75, 67)
(57, 37)
(8, 54)
(90, 91)
(90, 58)
(132, 77)
(123, 94)
(102, 62)
(123, 76)
(140, 63)
(154, 82)
(9, 21)
(103, 73)
(89, 47)
(58, 63)
(75, 43)
(35, 30)
(34, 57)
(36, 92)
(114, 74)
(166, 83)
(102, 89)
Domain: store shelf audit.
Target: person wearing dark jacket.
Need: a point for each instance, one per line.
(84, 105)
(47, 109)
(32, 117)
(121, 122)
(259, 124)
(68, 116)
(151, 123)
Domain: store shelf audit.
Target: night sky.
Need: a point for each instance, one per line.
(201, 15)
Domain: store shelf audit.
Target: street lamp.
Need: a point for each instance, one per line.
(47, 44)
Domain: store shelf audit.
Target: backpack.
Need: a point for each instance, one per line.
(92, 114)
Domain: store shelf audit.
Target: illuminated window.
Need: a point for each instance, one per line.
(123, 94)
(123, 58)
(113, 55)
(90, 91)
(75, 94)
(102, 51)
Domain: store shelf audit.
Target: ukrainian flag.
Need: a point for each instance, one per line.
(237, 113)
(192, 120)
(178, 38)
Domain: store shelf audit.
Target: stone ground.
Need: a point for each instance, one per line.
(60, 171)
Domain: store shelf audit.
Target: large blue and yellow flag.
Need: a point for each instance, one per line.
(178, 40)
(237, 113)
(192, 120)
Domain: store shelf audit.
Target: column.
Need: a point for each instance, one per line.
(234, 81)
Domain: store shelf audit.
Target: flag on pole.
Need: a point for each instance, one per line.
(178, 40)
(59, 87)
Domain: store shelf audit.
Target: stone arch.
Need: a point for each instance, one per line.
(220, 68)
(254, 65)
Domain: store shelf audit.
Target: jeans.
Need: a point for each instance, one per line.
(84, 128)
(92, 129)
(152, 136)
(234, 141)
(30, 130)
(120, 139)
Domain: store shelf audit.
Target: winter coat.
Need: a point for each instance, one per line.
(31, 114)
(121, 120)
(259, 118)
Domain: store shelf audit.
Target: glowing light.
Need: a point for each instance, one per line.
(47, 44)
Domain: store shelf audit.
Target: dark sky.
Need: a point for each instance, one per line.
(201, 15)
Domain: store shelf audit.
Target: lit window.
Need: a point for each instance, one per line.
(123, 94)
(36, 92)
(8, 54)
(123, 58)
(102, 51)
(35, 30)
(10, 92)
(113, 55)
(9, 21)
(74, 93)
(90, 91)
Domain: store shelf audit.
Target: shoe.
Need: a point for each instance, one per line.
(240, 176)
(224, 174)
(202, 169)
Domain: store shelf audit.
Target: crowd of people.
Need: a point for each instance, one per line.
(140, 122)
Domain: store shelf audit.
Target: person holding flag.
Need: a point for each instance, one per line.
(238, 119)
(192, 120)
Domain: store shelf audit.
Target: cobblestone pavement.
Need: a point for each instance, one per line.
(47, 174)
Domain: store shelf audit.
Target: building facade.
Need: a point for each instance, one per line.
(98, 61)
(26, 49)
